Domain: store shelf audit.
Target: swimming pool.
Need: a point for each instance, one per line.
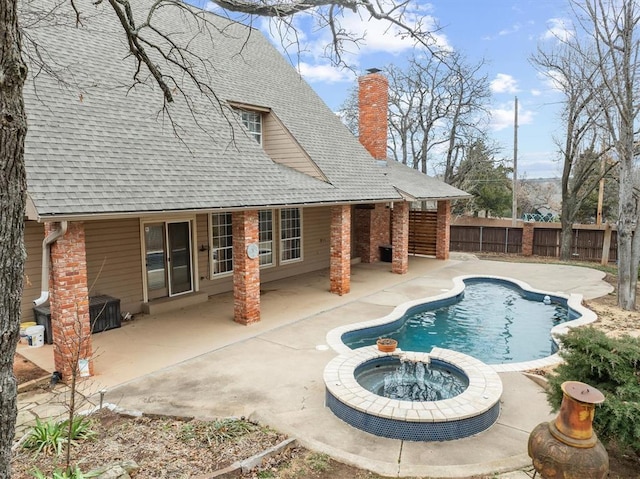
(496, 320)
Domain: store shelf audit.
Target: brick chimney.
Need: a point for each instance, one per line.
(373, 100)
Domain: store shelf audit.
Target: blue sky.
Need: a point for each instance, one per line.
(503, 32)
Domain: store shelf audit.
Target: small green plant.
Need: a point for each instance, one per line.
(266, 474)
(228, 430)
(187, 432)
(318, 462)
(81, 429)
(45, 437)
(72, 473)
(216, 432)
(50, 437)
(611, 365)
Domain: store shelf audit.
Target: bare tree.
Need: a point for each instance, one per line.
(569, 67)
(469, 116)
(160, 58)
(612, 27)
(438, 107)
(437, 110)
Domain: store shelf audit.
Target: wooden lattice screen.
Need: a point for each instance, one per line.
(422, 232)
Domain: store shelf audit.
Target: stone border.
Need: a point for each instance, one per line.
(482, 394)
(574, 303)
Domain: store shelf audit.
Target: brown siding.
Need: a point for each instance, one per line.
(282, 148)
(114, 264)
(316, 230)
(202, 235)
(33, 236)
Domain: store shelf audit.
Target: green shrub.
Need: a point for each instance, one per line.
(46, 437)
(50, 437)
(611, 365)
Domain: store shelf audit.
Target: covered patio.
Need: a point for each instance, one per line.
(154, 342)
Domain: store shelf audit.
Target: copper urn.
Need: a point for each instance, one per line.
(567, 448)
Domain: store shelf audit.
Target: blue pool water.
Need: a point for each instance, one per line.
(492, 320)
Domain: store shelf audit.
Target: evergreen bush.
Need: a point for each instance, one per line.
(612, 365)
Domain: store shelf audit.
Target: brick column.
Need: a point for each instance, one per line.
(69, 301)
(527, 239)
(443, 229)
(340, 265)
(400, 233)
(246, 271)
(372, 230)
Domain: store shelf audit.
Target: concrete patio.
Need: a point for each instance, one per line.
(198, 362)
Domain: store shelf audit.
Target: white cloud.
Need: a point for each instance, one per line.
(504, 83)
(508, 31)
(379, 36)
(324, 73)
(503, 117)
(536, 92)
(552, 80)
(559, 29)
(539, 164)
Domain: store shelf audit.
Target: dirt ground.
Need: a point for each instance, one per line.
(26, 371)
(175, 448)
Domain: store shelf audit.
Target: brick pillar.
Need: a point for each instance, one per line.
(340, 266)
(69, 301)
(372, 230)
(246, 271)
(400, 233)
(373, 101)
(443, 229)
(527, 239)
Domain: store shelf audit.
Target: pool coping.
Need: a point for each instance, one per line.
(574, 302)
(482, 394)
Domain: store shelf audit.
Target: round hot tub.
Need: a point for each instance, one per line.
(398, 378)
(437, 396)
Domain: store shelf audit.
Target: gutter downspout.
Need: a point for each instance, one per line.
(51, 238)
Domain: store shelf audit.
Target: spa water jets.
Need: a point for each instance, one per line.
(416, 381)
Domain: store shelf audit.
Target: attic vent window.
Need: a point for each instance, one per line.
(252, 120)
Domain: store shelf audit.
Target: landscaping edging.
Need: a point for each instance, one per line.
(246, 465)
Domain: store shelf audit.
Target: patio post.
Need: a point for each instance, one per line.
(400, 242)
(443, 229)
(340, 264)
(69, 302)
(246, 267)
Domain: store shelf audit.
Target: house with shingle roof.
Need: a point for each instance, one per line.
(251, 180)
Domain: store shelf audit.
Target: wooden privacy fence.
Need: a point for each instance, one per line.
(487, 239)
(494, 236)
(586, 244)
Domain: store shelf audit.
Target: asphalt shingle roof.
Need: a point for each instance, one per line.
(97, 144)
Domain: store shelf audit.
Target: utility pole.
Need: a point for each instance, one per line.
(514, 188)
(601, 190)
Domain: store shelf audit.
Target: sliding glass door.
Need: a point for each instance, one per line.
(168, 258)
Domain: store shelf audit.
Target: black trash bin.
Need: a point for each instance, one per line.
(104, 314)
(386, 253)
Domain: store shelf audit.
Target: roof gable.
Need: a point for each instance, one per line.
(98, 143)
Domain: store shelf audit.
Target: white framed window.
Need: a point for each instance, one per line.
(252, 120)
(265, 231)
(222, 243)
(290, 235)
